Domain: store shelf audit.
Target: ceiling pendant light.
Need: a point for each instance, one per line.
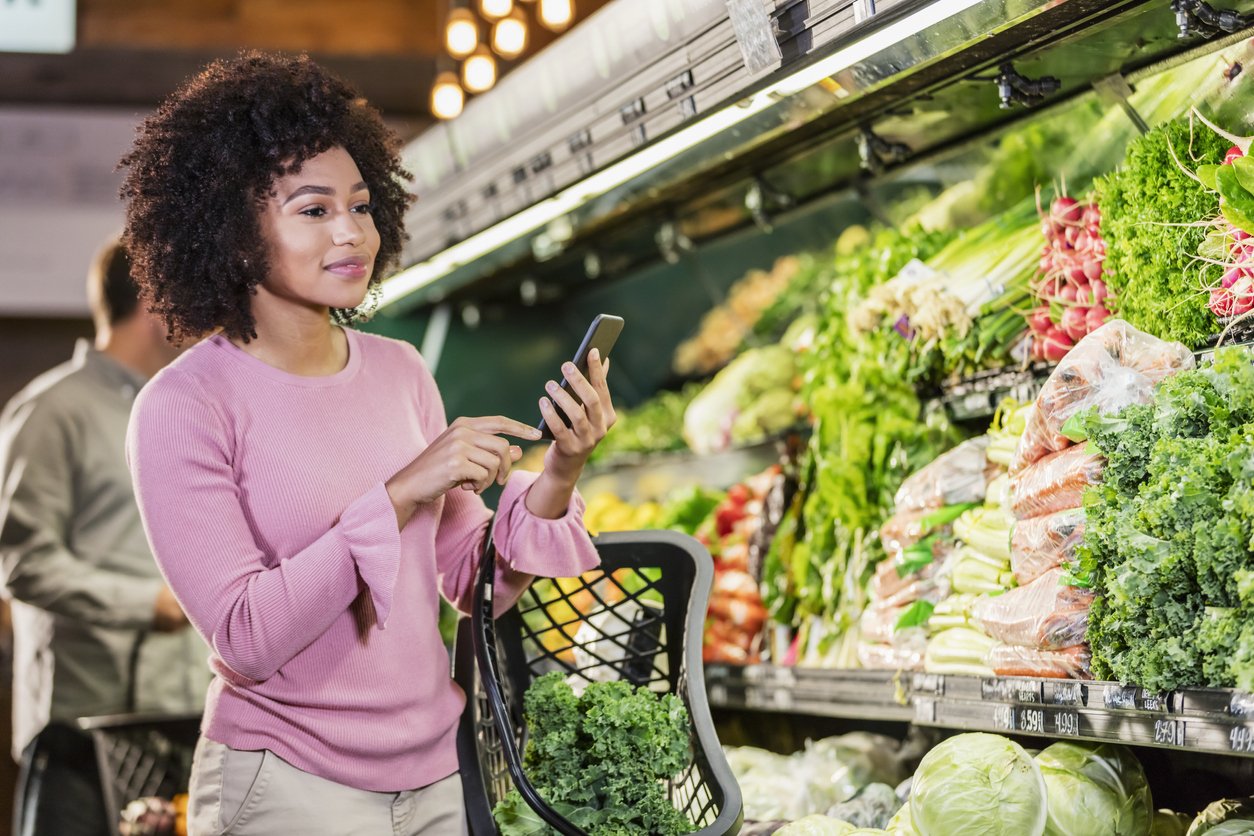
(461, 33)
(495, 9)
(479, 71)
(557, 15)
(447, 97)
(509, 35)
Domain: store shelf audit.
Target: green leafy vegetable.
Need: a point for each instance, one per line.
(1168, 535)
(1148, 206)
(601, 759)
(1095, 790)
(986, 782)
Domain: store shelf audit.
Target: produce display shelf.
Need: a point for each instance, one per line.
(1209, 721)
(878, 695)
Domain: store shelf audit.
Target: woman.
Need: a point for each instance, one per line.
(302, 492)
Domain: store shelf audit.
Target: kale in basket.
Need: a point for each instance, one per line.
(601, 760)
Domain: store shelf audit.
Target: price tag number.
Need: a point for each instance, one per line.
(1169, 732)
(1004, 718)
(1241, 739)
(1032, 721)
(1067, 723)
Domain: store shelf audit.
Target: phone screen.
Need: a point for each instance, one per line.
(601, 335)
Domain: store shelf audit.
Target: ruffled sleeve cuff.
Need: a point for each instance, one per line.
(531, 545)
(374, 540)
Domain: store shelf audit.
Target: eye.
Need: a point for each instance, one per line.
(313, 211)
(364, 209)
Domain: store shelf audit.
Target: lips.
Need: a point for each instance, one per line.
(355, 267)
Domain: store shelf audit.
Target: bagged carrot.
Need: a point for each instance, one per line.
(1056, 482)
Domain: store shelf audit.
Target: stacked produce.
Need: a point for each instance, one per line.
(733, 628)
(958, 308)
(1155, 216)
(753, 398)
(988, 784)
(1047, 617)
(724, 328)
(824, 777)
(1168, 537)
(980, 570)
(918, 540)
(1069, 283)
(869, 433)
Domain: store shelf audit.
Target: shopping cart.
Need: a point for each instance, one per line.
(142, 755)
(642, 621)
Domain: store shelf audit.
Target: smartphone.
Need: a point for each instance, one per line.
(602, 334)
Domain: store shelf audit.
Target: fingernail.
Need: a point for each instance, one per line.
(544, 402)
(534, 433)
(551, 386)
(595, 354)
(568, 367)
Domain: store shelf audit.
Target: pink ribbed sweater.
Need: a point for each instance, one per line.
(262, 494)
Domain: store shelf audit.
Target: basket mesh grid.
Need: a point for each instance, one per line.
(601, 626)
(145, 758)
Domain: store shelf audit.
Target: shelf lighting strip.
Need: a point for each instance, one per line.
(420, 275)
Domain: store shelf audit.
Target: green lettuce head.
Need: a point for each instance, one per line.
(987, 782)
(1095, 790)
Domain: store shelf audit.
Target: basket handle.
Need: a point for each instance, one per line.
(483, 635)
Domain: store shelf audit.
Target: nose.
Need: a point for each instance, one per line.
(348, 230)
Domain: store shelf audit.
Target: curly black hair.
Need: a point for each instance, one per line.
(212, 151)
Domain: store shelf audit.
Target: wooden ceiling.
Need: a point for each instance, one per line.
(132, 53)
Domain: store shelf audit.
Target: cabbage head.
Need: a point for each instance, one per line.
(816, 826)
(1095, 790)
(978, 785)
(1227, 817)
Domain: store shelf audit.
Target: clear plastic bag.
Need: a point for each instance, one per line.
(959, 476)
(1068, 663)
(1056, 482)
(893, 587)
(889, 657)
(1043, 614)
(1112, 367)
(1039, 544)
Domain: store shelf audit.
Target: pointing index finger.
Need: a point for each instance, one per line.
(500, 425)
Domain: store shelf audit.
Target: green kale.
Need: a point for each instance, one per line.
(1147, 206)
(1169, 537)
(601, 759)
(1126, 441)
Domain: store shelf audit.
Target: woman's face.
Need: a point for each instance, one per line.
(321, 236)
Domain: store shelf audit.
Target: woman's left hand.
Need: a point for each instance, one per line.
(589, 422)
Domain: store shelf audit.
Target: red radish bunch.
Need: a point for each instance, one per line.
(1069, 283)
(1235, 295)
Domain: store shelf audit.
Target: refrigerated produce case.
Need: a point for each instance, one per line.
(661, 150)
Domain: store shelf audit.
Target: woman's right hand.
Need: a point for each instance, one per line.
(471, 454)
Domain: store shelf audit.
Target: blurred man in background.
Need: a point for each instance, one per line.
(96, 630)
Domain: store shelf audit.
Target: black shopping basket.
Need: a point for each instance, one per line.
(142, 755)
(642, 620)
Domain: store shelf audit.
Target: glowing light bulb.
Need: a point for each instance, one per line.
(509, 36)
(479, 71)
(461, 33)
(557, 15)
(495, 9)
(447, 97)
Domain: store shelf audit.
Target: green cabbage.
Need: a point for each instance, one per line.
(816, 826)
(1228, 817)
(986, 782)
(1095, 790)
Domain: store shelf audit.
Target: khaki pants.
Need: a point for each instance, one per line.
(255, 793)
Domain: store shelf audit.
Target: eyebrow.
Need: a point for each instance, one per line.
(323, 190)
